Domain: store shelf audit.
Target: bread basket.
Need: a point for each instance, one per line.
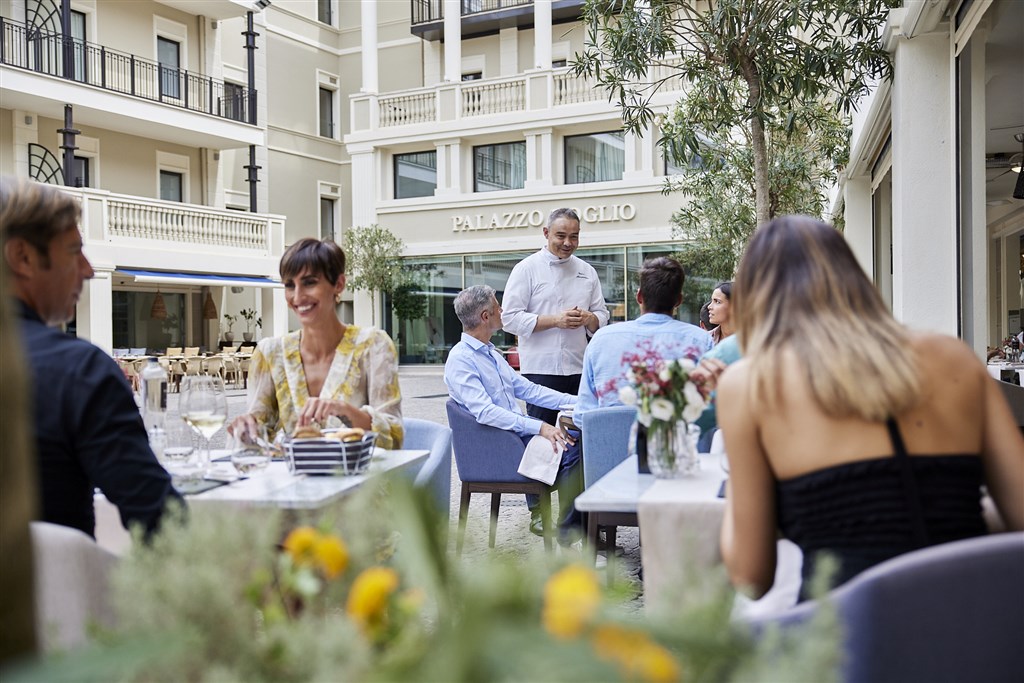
(329, 456)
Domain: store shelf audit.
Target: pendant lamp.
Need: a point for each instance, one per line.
(159, 309)
(209, 308)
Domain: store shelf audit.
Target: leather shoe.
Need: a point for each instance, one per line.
(536, 525)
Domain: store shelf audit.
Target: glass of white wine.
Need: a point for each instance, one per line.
(249, 454)
(204, 407)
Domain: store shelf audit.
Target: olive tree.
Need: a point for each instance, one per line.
(754, 71)
(374, 260)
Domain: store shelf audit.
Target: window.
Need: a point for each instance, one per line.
(415, 174)
(326, 218)
(233, 103)
(171, 186)
(80, 172)
(559, 63)
(326, 113)
(474, 76)
(323, 12)
(78, 45)
(594, 158)
(168, 54)
(499, 167)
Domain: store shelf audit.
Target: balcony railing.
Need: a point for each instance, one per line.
(426, 11)
(76, 60)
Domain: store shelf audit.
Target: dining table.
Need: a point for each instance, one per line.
(274, 488)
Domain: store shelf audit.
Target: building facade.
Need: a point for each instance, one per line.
(933, 198)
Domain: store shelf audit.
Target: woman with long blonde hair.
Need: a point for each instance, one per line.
(846, 431)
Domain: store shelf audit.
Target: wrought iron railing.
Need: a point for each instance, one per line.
(54, 54)
(428, 11)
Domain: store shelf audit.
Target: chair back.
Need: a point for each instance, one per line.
(436, 473)
(194, 365)
(214, 365)
(246, 348)
(137, 351)
(120, 352)
(71, 585)
(174, 351)
(605, 439)
(191, 350)
(484, 453)
(951, 612)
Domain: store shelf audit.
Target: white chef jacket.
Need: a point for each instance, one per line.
(543, 284)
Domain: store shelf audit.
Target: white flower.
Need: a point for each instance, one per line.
(627, 395)
(693, 396)
(687, 365)
(692, 411)
(665, 374)
(662, 409)
(631, 376)
(643, 417)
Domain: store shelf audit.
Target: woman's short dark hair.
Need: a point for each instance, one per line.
(661, 282)
(319, 257)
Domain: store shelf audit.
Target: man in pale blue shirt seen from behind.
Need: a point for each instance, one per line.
(480, 380)
(604, 367)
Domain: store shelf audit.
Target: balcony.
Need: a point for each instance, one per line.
(484, 17)
(534, 98)
(132, 231)
(217, 114)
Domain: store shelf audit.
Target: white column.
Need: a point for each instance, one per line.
(639, 154)
(26, 130)
(924, 187)
(368, 17)
(858, 216)
(509, 47)
(431, 62)
(95, 310)
(364, 188)
(452, 41)
(542, 34)
(441, 152)
(538, 158)
(274, 311)
(974, 232)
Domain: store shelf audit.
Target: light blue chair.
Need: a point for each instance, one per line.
(605, 445)
(950, 612)
(436, 473)
(487, 459)
(605, 439)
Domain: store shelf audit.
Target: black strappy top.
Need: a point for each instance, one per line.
(868, 511)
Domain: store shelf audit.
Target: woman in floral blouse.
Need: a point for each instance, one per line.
(325, 373)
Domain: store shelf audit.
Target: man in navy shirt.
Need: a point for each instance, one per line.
(88, 431)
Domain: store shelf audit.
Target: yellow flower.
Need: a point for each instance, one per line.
(614, 643)
(571, 598)
(638, 657)
(300, 543)
(368, 597)
(331, 555)
(651, 662)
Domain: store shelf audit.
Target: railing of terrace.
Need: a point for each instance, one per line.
(401, 110)
(151, 220)
(53, 54)
(494, 97)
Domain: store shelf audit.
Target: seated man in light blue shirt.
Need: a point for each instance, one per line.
(481, 381)
(604, 370)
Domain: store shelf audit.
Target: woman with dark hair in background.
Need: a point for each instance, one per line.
(850, 433)
(326, 370)
(720, 312)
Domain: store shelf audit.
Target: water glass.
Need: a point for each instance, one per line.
(249, 454)
(182, 460)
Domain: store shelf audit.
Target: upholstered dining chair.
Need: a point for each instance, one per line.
(950, 612)
(605, 444)
(71, 585)
(191, 350)
(214, 366)
(174, 351)
(487, 459)
(436, 473)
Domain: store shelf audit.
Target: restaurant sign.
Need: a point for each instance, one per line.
(510, 220)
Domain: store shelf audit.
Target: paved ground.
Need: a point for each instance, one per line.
(423, 397)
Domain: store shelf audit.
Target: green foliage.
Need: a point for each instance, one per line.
(407, 301)
(374, 259)
(214, 598)
(250, 317)
(230, 320)
(747, 66)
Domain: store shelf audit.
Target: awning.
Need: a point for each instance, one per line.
(159, 277)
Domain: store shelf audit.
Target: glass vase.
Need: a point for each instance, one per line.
(672, 449)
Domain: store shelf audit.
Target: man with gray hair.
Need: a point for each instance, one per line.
(480, 380)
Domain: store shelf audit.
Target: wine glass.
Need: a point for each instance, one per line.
(180, 458)
(204, 407)
(249, 454)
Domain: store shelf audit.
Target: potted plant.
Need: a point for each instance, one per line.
(250, 317)
(229, 336)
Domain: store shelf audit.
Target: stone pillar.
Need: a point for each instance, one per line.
(924, 185)
(95, 310)
(368, 18)
(539, 162)
(274, 311)
(859, 223)
(364, 188)
(509, 47)
(542, 34)
(639, 154)
(452, 41)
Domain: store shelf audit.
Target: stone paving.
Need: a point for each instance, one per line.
(423, 396)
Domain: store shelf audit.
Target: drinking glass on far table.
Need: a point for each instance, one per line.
(250, 455)
(204, 407)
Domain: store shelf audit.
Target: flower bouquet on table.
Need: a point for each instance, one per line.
(668, 402)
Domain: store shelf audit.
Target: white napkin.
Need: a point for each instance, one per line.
(540, 461)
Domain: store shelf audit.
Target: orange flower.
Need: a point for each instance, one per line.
(571, 598)
(300, 543)
(368, 597)
(331, 555)
(638, 657)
